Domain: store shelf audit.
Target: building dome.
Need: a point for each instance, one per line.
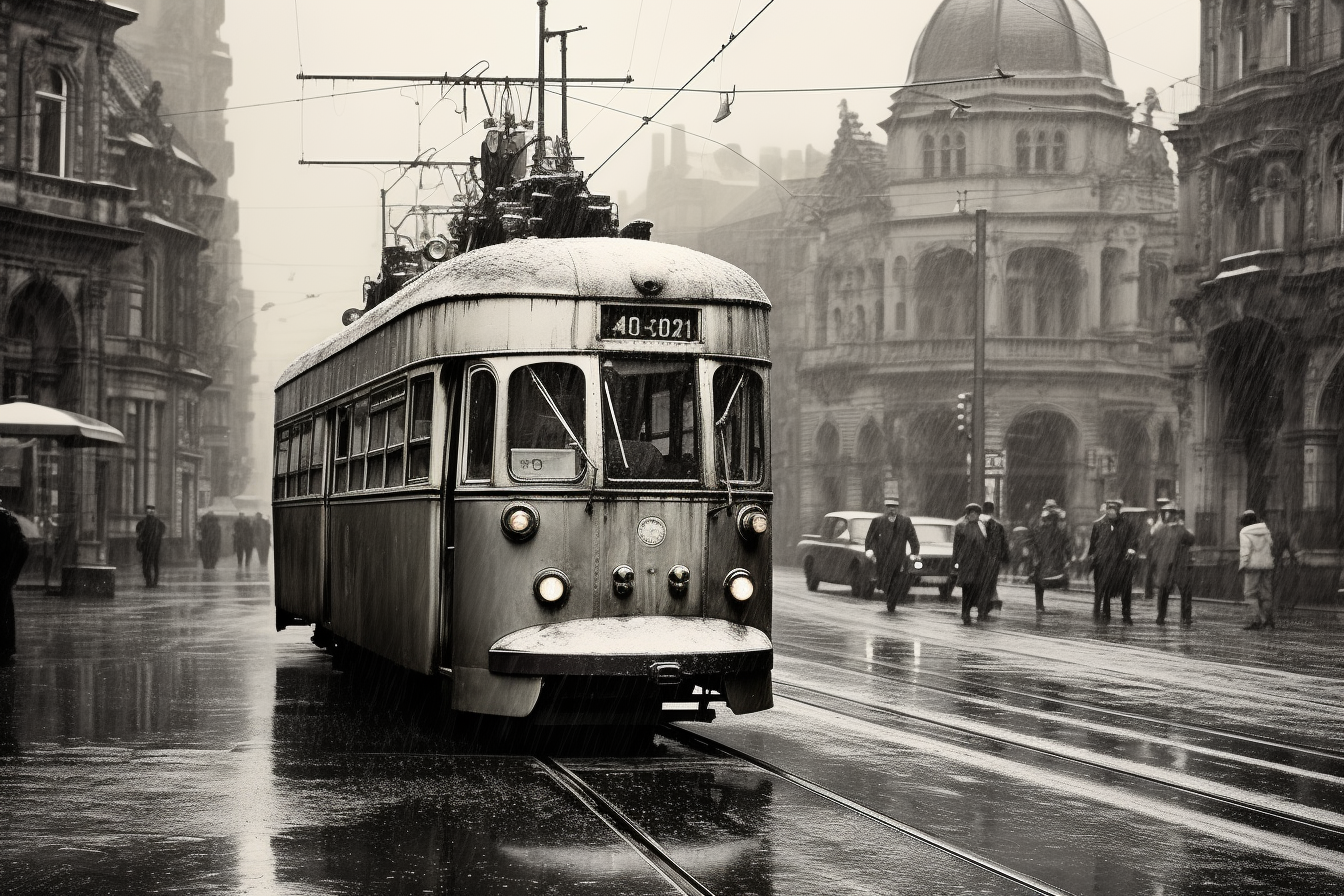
(1031, 38)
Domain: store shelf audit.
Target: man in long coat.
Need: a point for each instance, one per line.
(975, 566)
(1049, 544)
(261, 537)
(13, 554)
(149, 534)
(1111, 552)
(242, 539)
(1169, 562)
(997, 544)
(209, 539)
(888, 536)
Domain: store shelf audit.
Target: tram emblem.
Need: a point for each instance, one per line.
(652, 531)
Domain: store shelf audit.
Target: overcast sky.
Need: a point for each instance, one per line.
(314, 231)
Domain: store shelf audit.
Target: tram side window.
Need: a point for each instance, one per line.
(341, 481)
(298, 459)
(546, 417)
(422, 428)
(300, 454)
(319, 454)
(387, 438)
(359, 435)
(281, 462)
(649, 419)
(739, 423)
(480, 466)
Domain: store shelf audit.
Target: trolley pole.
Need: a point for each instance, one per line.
(977, 492)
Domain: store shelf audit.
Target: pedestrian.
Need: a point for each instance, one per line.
(261, 537)
(149, 534)
(13, 554)
(997, 544)
(888, 537)
(1110, 552)
(972, 561)
(242, 540)
(208, 538)
(1257, 569)
(1049, 545)
(1169, 563)
(1155, 525)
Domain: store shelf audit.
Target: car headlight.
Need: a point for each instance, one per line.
(520, 521)
(752, 522)
(918, 564)
(551, 586)
(678, 580)
(739, 586)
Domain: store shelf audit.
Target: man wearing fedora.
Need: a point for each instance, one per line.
(149, 534)
(1111, 552)
(976, 566)
(888, 536)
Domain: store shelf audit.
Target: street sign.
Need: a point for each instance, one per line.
(996, 463)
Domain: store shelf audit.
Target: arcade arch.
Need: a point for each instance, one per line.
(1041, 448)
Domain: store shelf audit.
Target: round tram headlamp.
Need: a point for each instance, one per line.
(752, 522)
(739, 586)
(623, 581)
(679, 580)
(436, 249)
(551, 586)
(520, 521)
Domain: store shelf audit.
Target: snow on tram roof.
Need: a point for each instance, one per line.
(592, 267)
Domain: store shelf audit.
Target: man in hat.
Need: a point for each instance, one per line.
(13, 554)
(261, 537)
(887, 539)
(972, 560)
(1111, 552)
(242, 540)
(208, 538)
(1050, 552)
(1169, 562)
(149, 534)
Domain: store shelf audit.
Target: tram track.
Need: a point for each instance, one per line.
(624, 827)
(711, 747)
(1311, 827)
(1228, 734)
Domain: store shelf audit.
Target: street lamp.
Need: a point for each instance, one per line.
(238, 323)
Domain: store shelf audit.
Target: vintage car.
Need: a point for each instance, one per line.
(836, 553)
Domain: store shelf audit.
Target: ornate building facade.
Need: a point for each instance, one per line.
(104, 212)
(1260, 277)
(1081, 240)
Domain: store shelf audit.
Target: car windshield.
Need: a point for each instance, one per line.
(649, 420)
(858, 529)
(929, 533)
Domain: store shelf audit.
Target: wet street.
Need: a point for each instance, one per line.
(170, 741)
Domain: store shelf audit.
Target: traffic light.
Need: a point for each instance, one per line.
(964, 426)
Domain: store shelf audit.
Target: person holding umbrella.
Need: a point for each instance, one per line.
(209, 538)
(13, 554)
(242, 540)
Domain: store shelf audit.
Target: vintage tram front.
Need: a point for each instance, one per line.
(541, 471)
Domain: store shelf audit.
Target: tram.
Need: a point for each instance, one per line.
(540, 471)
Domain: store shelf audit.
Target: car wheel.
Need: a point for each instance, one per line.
(859, 583)
(811, 580)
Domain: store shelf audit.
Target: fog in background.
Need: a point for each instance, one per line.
(311, 234)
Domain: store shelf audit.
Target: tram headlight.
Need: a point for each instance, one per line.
(436, 249)
(739, 586)
(623, 581)
(551, 586)
(752, 522)
(520, 521)
(679, 580)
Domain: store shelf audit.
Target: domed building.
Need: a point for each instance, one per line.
(1081, 212)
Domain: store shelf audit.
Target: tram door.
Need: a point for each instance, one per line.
(448, 398)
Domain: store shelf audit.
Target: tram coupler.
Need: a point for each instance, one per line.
(665, 674)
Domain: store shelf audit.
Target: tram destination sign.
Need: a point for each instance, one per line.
(650, 322)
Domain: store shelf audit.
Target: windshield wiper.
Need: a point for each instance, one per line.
(620, 443)
(719, 426)
(570, 430)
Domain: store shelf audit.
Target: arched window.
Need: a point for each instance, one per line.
(1334, 180)
(838, 325)
(945, 293)
(945, 156)
(152, 296)
(823, 301)
(1272, 211)
(1044, 288)
(898, 274)
(930, 157)
(1038, 161)
(51, 103)
(879, 320)
(959, 154)
(1059, 151)
(1023, 152)
(860, 324)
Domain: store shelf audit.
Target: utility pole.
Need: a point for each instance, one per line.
(977, 493)
(564, 77)
(539, 156)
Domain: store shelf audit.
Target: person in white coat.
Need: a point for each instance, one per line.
(1257, 569)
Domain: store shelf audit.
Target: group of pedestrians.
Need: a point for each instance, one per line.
(249, 534)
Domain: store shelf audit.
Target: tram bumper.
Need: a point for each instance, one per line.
(634, 646)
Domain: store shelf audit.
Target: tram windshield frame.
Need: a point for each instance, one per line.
(643, 401)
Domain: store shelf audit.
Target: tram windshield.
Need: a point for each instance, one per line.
(739, 425)
(649, 420)
(546, 419)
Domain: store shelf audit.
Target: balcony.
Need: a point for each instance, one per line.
(98, 209)
(1000, 351)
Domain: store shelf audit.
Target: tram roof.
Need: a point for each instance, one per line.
(583, 268)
